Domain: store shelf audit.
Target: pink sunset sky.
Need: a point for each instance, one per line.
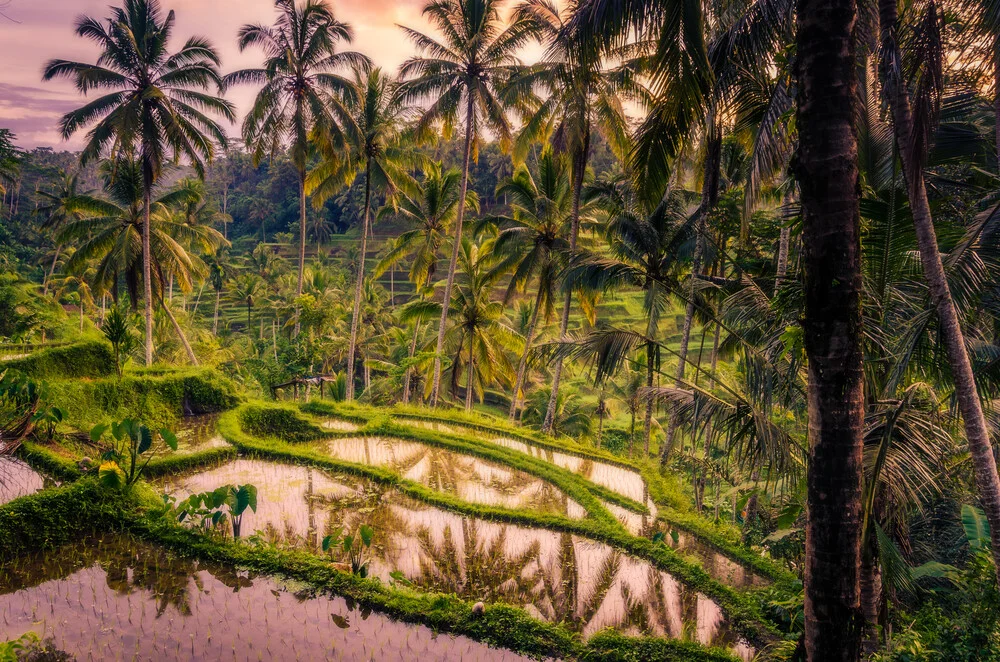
(35, 31)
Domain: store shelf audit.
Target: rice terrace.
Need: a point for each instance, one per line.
(498, 330)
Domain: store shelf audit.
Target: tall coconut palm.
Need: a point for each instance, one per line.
(465, 76)
(220, 270)
(374, 113)
(827, 172)
(911, 134)
(479, 324)
(55, 208)
(155, 102)
(433, 209)
(247, 290)
(299, 87)
(582, 97)
(537, 239)
(111, 233)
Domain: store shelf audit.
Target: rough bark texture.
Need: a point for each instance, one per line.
(579, 170)
(180, 333)
(359, 285)
(453, 265)
(147, 283)
(471, 372)
(827, 168)
(966, 392)
(407, 378)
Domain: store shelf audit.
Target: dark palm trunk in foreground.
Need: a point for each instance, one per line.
(828, 176)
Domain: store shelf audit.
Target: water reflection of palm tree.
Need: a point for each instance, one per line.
(478, 569)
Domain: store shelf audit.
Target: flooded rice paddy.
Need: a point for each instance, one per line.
(555, 576)
(339, 425)
(619, 479)
(465, 476)
(17, 479)
(196, 433)
(119, 598)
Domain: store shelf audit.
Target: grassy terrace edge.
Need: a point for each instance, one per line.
(741, 608)
(56, 516)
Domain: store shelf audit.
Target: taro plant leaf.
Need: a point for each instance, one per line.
(330, 541)
(169, 438)
(111, 475)
(977, 529)
(659, 537)
(363, 571)
(97, 432)
(348, 543)
(340, 621)
(145, 439)
(222, 495)
(367, 533)
(676, 537)
(246, 497)
(217, 517)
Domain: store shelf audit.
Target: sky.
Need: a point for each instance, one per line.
(35, 31)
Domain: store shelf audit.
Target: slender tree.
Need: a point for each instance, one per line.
(56, 210)
(154, 102)
(465, 75)
(299, 88)
(377, 146)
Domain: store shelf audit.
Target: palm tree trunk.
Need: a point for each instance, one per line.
(783, 241)
(215, 314)
(359, 285)
(302, 242)
(180, 332)
(274, 338)
(147, 283)
(647, 424)
(52, 270)
(453, 265)
(81, 314)
(409, 369)
(523, 364)
(709, 198)
(996, 98)
(827, 172)
(471, 372)
(871, 600)
(249, 306)
(579, 170)
(966, 391)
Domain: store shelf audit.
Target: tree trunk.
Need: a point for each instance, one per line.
(579, 171)
(996, 99)
(471, 372)
(827, 171)
(966, 391)
(52, 270)
(359, 284)
(274, 338)
(302, 243)
(453, 265)
(647, 424)
(783, 240)
(709, 198)
(180, 332)
(147, 283)
(81, 314)
(871, 600)
(523, 364)
(407, 378)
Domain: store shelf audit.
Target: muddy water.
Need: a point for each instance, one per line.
(339, 425)
(719, 566)
(17, 479)
(466, 476)
(195, 434)
(118, 598)
(556, 576)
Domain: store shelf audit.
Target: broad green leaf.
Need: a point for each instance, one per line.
(977, 529)
(97, 432)
(111, 475)
(367, 533)
(935, 570)
(789, 515)
(169, 438)
(145, 440)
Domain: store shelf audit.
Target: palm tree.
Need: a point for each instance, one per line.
(536, 238)
(219, 271)
(299, 87)
(465, 76)
(432, 209)
(582, 96)
(112, 232)
(79, 284)
(911, 144)
(246, 290)
(827, 172)
(157, 103)
(374, 113)
(644, 245)
(479, 323)
(56, 210)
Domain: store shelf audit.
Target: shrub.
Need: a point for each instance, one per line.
(91, 358)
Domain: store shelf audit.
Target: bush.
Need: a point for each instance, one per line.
(280, 422)
(92, 358)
